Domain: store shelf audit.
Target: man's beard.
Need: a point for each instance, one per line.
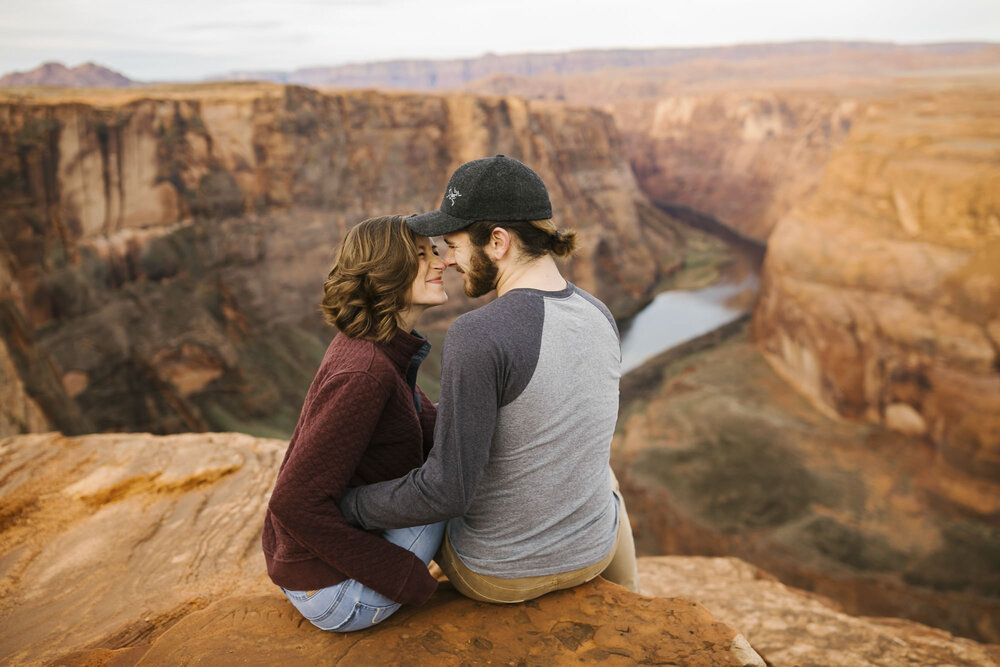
(481, 278)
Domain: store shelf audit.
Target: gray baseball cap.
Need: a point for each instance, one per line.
(497, 189)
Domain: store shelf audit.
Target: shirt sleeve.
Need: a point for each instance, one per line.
(338, 425)
(445, 485)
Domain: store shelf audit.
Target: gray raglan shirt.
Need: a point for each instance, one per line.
(529, 400)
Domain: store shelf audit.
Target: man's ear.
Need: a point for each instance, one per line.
(499, 244)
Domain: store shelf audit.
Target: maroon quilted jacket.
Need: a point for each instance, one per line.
(359, 424)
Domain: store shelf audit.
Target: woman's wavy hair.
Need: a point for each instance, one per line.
(372, 272)
(537, 237)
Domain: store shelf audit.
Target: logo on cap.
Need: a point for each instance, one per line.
(452, 195)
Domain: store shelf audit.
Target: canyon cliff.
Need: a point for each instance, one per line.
(123, 549)
(739, 136)
(164, 249)
(134, 549)
(743, 159)
(718, 455)
(881, 292)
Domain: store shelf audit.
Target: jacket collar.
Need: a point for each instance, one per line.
(403, 347)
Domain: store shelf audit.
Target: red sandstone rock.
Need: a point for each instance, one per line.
(880, 291)
(146, 549)
(109, 539)
(595, 622)
(719, 455)
(789, 627)
(118, 547)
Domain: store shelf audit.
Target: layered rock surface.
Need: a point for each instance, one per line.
(137, 549)
(110, 539)
(791, 627)
(112, 544)
(881, 293)
(719, 455)
(167, 247)
(596, 622)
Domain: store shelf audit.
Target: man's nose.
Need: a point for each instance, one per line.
(449, 257)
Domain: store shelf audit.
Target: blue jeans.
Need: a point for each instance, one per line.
(350, 605)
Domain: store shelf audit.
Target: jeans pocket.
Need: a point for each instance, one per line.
(365, 616)
(325, 606)
(299, 596)
(340, 608)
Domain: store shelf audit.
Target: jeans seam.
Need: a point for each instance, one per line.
(336, 603)
(416, 538)
(350, 617)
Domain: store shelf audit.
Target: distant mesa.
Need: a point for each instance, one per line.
(775, 58)
(87, 75)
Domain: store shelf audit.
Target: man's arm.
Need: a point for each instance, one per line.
(445, 485)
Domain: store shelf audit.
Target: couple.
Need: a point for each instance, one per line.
(506, 483)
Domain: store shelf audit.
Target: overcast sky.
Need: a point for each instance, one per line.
(192, 39)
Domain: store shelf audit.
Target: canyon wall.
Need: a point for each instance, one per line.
(742, 158)
(734, 152)
(881, 293)
(718, 455)
(742, 140)
(164, 249)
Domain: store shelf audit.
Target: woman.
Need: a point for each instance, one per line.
(364, 420)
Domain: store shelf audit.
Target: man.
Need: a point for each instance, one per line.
(529, 400)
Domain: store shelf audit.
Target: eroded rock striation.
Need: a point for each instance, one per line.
(109, 539)
(166, 248)
(881, 293)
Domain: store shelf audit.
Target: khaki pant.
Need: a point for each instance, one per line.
(618, 567)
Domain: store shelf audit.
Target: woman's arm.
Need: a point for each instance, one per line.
(428, 415)
(445, 485)
(337, 426)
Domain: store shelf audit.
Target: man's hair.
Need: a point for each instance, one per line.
(367, 287)
(535, 237)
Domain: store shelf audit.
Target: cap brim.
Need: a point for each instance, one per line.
(436, 223)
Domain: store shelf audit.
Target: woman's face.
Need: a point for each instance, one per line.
(428, 287)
